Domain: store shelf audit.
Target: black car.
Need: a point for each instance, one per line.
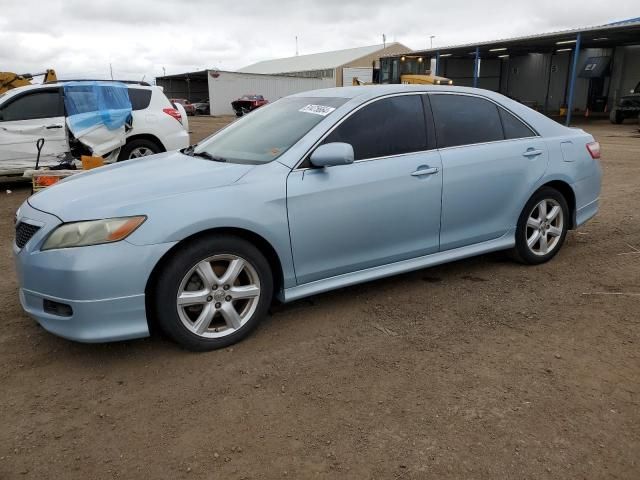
(628, 107)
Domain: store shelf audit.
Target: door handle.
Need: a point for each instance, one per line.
(532, 152)
(424, 171)
(49, 127)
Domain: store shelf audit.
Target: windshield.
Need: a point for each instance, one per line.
(266, 133)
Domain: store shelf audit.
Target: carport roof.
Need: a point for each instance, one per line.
(626, 32)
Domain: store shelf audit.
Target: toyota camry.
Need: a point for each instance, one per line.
(313, 192)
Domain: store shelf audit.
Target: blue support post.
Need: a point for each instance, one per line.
(572, 80)
(476, 65)
(437, 72)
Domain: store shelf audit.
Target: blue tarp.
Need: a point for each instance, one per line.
(90, 104)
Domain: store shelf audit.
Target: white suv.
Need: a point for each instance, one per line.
(37, 111)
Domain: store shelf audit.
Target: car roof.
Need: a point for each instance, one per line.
(362, 94)
(365, 92)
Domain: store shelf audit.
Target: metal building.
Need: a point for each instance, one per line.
(339, 65)
(221, 88)
(577, 71)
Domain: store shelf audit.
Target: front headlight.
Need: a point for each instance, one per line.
(94, 232)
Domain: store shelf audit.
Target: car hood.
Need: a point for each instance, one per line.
(632, 98)
(111, 190)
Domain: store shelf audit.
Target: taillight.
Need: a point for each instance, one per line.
(594, 150)
(172, 112)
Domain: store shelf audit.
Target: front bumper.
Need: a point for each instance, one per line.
(104, 285)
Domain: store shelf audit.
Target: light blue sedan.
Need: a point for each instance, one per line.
(314, 192)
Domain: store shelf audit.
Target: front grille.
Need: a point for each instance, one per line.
(24, 232)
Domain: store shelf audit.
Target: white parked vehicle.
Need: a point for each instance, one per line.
(37, 111)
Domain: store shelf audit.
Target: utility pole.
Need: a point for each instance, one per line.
(384, 41)
(111, 71)
(431, 37)
(296, 45)
(164, 72)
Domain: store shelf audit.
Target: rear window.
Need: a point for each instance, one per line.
(465, 120)
(513, 127)
(140, 98)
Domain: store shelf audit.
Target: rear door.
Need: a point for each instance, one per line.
(24, 119)
(383, 208)
(490, 160)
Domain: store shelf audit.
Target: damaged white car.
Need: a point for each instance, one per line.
(30, 113)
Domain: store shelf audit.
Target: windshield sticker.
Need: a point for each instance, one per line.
(317, 110)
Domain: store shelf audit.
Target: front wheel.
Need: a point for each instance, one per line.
(616, 117)
(542, 227)
(213, 292)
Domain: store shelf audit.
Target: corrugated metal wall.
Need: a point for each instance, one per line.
(228, 86)
(525, 78)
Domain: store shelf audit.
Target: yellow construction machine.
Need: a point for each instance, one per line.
(424, 79)
(9, 80)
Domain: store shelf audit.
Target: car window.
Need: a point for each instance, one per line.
(389, 126)
(140, 98)
(465, 120)
(268, 132)
(34, 105)
(514, 127)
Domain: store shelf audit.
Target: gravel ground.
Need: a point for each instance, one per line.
(478, 369)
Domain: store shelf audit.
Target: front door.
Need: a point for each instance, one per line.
(383, 208)
(25, 119)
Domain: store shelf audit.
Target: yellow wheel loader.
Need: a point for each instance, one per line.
(426, 79)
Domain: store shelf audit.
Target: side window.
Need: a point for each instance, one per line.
(140, 98)
(513, 127)
(389, 126)
(465, 120)
(44, 104)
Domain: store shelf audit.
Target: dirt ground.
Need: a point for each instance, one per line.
(478, 369)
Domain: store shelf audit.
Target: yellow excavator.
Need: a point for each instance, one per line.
(9, 80)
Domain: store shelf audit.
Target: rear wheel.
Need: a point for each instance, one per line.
(542, 227)
(138, 148)
(213, 292)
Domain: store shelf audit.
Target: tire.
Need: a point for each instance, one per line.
(616, 116)
(207, 320)
(239, 113)
(530, 246)
(138, 145)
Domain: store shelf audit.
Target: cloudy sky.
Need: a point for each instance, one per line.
(80, 38)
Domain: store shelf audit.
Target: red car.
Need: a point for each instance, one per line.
(188, 106)
(246, 103)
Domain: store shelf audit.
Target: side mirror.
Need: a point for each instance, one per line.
(332, 154)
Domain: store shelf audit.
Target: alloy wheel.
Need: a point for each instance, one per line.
(140, 152)
(218, 296)
(545, 225)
